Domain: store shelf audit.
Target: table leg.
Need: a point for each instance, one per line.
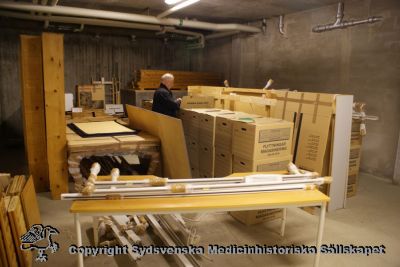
(320, 232)
(96, 230)
(78, 238)
(283, 222)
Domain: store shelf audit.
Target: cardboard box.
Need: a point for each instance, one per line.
(195, 172)
(223, 162)
(351, 190)
(354, 166)
(224, 127)
(206, 160)
(91, 96)
(207, 125)
(257, 216)
(263, 138)
(312, 117)
(241, 164)
(193, 151)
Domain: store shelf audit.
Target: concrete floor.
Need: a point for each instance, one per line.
(371, 218)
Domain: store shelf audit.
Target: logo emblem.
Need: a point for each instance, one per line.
(39, 238)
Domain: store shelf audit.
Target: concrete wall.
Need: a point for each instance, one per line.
(86, 57)
(363, 60)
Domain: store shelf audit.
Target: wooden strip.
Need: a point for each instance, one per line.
(53, 73)
(33, 110)
(18, 227)
(7, 235)
(30, 204)
(3, 254)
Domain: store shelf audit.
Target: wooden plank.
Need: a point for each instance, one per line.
(53, 74)
(33, 110)
(7, 235)
(164, 205)
(3, 254)
(30, 204)
(170, 132)
(18, 227)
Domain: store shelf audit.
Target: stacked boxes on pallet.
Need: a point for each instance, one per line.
(354, 159)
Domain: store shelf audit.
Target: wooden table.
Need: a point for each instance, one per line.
(198, 204)
(79, 148)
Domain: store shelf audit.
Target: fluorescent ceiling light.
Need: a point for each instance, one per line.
(184, 4)
(172, 2)
(176, 7)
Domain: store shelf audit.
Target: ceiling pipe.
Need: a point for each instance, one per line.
(220, 35)
(91, 13)
(340, 24)
(103, 23)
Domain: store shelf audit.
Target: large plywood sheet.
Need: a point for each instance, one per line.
(170, 132)
(33, 110)
(53, 77)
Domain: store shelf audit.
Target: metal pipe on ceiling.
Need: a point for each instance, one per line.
(99, 22)
(112, 15)
(220, 35)
(340, 24)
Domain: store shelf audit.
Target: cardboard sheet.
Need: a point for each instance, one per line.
(100, 128)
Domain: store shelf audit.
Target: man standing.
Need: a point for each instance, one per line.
(163, 101)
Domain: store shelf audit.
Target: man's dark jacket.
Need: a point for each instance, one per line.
(164, 102)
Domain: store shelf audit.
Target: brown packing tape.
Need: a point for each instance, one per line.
(321, 103)
(316, 108)
(284, 104)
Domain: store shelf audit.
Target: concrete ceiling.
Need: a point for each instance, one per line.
(213, 10)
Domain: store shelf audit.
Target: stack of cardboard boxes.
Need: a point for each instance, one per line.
(354, 159)
(199, 128)
(221, 142)
(261, 145)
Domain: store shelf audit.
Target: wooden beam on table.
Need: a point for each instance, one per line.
(53, 77)
(33, 110)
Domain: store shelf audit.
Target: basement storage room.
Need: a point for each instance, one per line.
(199, 133)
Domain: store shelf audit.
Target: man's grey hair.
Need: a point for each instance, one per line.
(167, 76)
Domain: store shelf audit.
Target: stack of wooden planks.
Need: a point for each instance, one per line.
(150, 79)
(42, 80)
(18, 212)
